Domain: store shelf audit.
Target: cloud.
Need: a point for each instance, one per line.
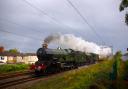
(103, 15)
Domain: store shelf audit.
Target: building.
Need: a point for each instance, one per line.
(27, 58)
(3, 59)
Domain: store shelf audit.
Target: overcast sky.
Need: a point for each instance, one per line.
(24, 27)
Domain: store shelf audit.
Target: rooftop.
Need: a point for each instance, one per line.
(16, 54)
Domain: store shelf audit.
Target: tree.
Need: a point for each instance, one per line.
(123, 5)
(13, 51)
(1, 49)
(116, 66)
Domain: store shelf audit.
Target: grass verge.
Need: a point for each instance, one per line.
(13, 68)
(83, 78)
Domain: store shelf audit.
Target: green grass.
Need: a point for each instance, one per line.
(13, 68)
(79, 79)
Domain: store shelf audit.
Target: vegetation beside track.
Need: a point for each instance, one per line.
(82, 78)
(8, 68)
(109, 74)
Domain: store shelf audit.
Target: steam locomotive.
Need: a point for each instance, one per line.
(55, 60)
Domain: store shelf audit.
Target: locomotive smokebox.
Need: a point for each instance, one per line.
(45, 45)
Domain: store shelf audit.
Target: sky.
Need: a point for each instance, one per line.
(25, 25)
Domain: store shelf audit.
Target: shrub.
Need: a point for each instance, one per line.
(13, 67)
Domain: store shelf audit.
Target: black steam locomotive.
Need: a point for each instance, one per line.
(55, 60)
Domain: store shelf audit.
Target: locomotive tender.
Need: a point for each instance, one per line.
(55, 60)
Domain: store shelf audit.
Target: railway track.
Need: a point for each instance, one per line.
(10, 75)
(22, 80)
(15, 82)
(7, 80)
(12, 80)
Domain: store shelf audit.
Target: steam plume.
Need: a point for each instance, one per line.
(77, 43)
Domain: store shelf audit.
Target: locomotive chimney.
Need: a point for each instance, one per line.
(45, 45)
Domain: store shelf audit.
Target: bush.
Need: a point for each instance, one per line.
(13, 67)
(82, 78)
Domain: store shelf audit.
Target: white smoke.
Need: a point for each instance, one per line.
(77, 43)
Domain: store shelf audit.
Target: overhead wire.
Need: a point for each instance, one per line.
(44, 13)
(30, 37)
(24, 36)
(54, 19)
(11, 42)
(23, 26)
(85, 20)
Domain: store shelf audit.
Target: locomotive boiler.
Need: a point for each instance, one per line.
(55, 60)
